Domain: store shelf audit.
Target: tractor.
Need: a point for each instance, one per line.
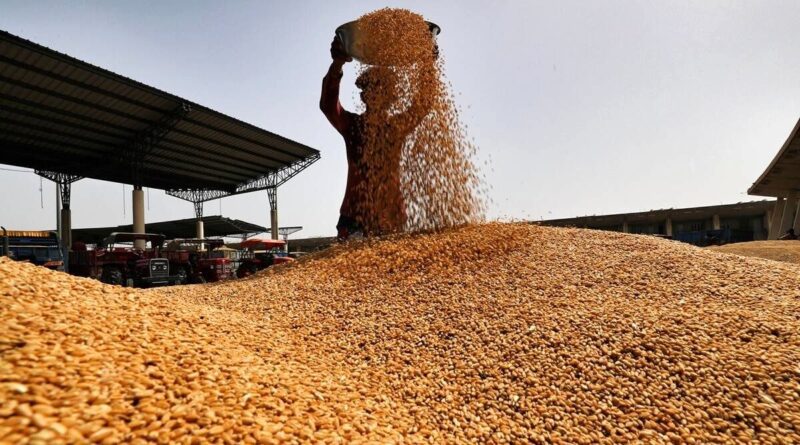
(258, 254)
(196, 260)
(118, 261)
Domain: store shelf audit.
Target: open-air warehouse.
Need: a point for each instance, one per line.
(69, 120)
(420, 322)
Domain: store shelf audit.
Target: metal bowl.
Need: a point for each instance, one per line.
(353, 44)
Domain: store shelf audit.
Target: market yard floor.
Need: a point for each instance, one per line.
(492, 333)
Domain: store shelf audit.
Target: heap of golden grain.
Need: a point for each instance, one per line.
(417, 156)
(498, 333)
(786, 251)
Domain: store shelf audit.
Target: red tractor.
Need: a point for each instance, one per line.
(118, 261)
(258, 254)
(196, 261)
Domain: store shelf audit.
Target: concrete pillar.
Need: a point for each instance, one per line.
(767, 219)
(66, 234)
(796, 223)
(138, 215)
(789, 211)
(58, 209)
(273, 217)
(668, 226)
(715, 222)
(199, 232)
(625, 228)
(272, 195)
(199, 229)
(775, 222)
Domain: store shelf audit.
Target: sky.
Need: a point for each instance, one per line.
(577, 107)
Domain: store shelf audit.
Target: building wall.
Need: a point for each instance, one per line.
(699, 225)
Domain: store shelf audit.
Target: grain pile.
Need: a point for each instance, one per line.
(786, 251)
(500, 333)
(418, 158)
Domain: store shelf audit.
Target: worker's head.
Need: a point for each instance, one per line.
(378, 87)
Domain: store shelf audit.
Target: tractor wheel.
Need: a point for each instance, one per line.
(241, 272)
(247, 269)
(183, 275)
(111, 275)
(197, 279)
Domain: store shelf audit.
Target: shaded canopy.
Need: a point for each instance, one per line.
(60, 114)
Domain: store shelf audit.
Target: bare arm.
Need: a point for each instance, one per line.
(329, 98)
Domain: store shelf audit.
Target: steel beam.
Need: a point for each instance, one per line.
(278, 177)
(62, 179)
(197, 195)
(268, 181)
(143, 143)
(64, 213)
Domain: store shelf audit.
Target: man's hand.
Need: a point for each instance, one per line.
(338, 53)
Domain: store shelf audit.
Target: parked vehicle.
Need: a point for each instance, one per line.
(198, 261)
(258, 254)
(117, 261)
(39, 247)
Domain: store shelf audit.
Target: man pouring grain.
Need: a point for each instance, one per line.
(373, 201)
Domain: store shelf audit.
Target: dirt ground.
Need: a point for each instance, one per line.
(786, 251)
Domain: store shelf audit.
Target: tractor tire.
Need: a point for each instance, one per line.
(112, 275)
(183, 275)
(247, 269)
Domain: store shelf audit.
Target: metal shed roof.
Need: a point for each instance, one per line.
(213, 226)
(782, 176)
(61, 114)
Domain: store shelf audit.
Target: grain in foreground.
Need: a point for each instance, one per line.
(494, 333)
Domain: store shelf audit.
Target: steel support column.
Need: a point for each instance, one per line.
(64, 214)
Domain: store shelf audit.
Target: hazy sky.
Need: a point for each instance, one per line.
(584, 107)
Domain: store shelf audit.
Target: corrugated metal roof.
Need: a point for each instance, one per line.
(782, 176)
(61, 114)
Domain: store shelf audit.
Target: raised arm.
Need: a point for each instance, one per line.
(329, 98)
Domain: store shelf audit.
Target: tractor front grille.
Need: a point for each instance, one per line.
(159, 267)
